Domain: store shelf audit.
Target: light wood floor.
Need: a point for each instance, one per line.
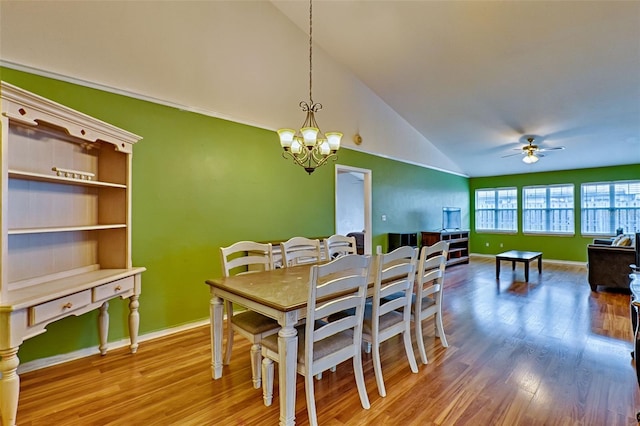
(550, 352)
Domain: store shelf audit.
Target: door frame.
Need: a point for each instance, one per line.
(367, 201)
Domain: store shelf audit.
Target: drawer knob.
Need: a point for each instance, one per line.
(67, 305)
(118, 288)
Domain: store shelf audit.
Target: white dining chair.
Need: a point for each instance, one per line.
(388, 313)
(427, 300)
(299, 250)
(395, 273)
(339, 245)
(242, 258)
(335, 286)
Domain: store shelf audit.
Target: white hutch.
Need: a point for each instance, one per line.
(65, 225)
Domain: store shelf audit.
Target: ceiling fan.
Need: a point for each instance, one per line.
(531, 152)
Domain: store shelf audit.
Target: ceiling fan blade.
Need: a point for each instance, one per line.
(558, 148)
(511, 155)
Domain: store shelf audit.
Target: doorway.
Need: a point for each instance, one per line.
(353, 202)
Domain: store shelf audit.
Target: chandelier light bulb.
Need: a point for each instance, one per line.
(286, 137)
(334, 140)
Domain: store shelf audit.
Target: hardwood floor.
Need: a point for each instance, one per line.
(550, 352)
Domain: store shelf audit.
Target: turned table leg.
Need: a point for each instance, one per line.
(215, 317)
(134, 322)
(103, 327)
(288, 352)
(9, 385)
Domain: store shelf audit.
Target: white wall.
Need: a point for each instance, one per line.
(240, 60)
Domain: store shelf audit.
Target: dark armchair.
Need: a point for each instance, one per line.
(610, 266)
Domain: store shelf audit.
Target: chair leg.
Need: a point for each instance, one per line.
(377, 369)
(362, 389)
(367, 347)
(406, 336)
(417, 326)
(311, 400)
(440, 331)
(256, 358)
(267, 381)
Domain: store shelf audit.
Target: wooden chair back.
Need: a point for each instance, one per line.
(340, 285)
(395, 275)
(339, 245)
(430, 273)
(300, 250)
(245, 257)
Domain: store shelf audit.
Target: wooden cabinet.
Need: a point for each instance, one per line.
(458, 244)
(65, 225)
(396, 240)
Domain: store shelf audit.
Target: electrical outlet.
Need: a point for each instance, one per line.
(486, 244)
(501, 245)
(384, 217)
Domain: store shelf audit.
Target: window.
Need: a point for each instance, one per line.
(548, 209)
(607, 206)
(497, 209)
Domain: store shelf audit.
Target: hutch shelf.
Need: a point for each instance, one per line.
(458, 244)
(65, 225)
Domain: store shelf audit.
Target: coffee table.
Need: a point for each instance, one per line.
(514, 256)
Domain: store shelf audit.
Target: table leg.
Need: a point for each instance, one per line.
(526, 270)
(103, 327)
(513, 265)
(9, 385)
(539, 264)
(288, 352)
(215, 316)
(134, 322)
(497, 268)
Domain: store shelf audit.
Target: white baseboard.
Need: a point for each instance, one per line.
(59, 359)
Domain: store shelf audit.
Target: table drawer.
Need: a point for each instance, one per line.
(114, 288)
(55, 308)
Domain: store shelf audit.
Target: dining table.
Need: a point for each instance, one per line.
(281, 294)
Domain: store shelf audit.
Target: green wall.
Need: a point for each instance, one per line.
(571, 248)
(200, 183)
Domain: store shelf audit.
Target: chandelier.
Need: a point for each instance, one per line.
(309, 147)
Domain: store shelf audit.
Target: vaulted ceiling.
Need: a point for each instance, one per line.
(476, 77)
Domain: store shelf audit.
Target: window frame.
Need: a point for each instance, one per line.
(610, 209)
(497, 212)
(548, 211)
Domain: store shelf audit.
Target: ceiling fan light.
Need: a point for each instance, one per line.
(530, 158)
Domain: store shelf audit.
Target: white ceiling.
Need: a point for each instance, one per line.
(474, 77)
